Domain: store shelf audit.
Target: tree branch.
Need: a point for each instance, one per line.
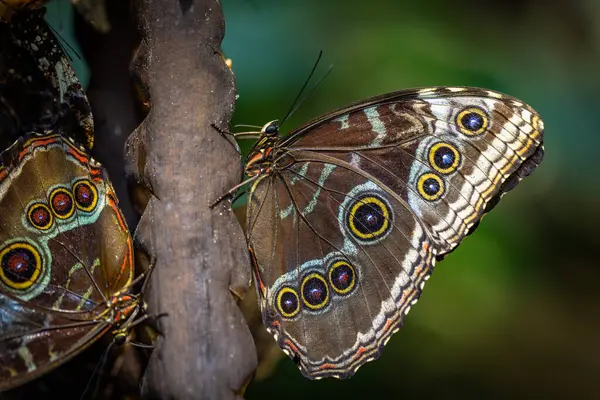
(200, 254)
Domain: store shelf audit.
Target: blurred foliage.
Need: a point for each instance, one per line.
(513, 312)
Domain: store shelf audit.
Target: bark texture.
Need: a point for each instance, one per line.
(200, 256)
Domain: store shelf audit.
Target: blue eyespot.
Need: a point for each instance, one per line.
(444, 157)
(472, 121)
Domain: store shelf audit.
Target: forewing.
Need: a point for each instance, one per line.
(396, 139)
(64, 251)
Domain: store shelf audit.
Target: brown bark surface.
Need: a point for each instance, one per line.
(199, 253)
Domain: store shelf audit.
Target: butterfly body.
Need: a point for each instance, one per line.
(348, 214)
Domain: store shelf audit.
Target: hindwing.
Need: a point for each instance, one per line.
(65, 255)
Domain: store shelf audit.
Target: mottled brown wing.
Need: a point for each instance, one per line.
(34, 341)
(39, 90)
(346, 227)
(64, 251)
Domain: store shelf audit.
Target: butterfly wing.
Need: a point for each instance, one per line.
(34, 341)
(346, 227)
(39, 90)
(64, 251)
(332, 300)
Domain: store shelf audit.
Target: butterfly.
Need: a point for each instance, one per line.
(347, 215)
(39, 89)
(66, 257)
(66, 254)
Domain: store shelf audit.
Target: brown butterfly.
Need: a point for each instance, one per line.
(347, 215)
(66, 254)
(66, 257)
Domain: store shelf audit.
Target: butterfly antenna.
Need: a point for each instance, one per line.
(312, 90)
(302, 90)
(99, 365)
(62, 40)
(247, 126)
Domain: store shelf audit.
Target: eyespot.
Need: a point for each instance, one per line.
(342, 277)
(288, 303)
(61, 201)
(314, 291)
(369, 218)
(20, 265)
(39, 216)
(444, 157)
(430, 186)
(86, 195)
(472, 121)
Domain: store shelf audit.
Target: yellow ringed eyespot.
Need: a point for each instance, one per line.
(86, 195)
(61, 201)
(472, 121)
(444, 157)
(20, 265)
(342, 277)
(288, 303)
(430, 186)
(314, 291)
(39, 216)
(369, 217)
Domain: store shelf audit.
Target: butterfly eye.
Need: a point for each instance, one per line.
(314, 291)
(288, 302)
(369, 218)
(119, 337)
(20, 265)
(61, 201)
(472, 121)
(86, 195)
(444, 157)
(271, 128)
(342, 277)
(39, 216)
(430, 186)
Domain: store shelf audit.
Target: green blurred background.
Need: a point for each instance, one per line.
(513, 312)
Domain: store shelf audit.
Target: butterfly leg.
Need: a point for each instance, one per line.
(236, 135)
(229, 136)
(233, 190)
